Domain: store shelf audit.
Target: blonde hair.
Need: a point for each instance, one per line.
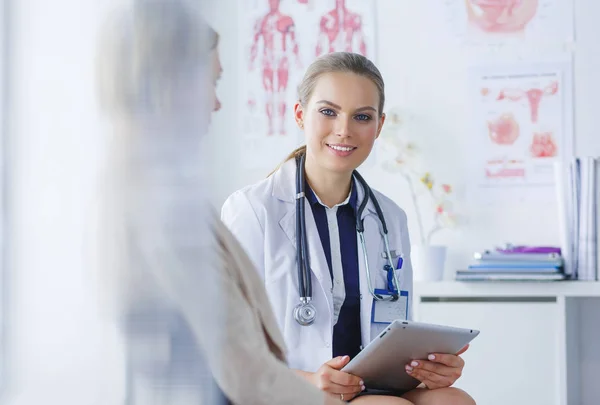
(148, 52)
(336, 62)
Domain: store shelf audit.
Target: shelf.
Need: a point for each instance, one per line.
(507, 289)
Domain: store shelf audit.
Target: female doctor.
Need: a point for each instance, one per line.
(328, 247)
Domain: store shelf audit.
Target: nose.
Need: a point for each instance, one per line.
(217, 105)
(343, 127)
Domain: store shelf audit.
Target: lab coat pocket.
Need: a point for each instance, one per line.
(381, 280)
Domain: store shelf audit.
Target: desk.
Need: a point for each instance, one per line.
(539, 342)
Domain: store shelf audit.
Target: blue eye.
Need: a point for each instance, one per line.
(363, 117)
(328, 112)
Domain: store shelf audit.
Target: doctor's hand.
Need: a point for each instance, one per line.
(439, 371)
(330, 379)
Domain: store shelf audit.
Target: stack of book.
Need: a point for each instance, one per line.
(515, 264)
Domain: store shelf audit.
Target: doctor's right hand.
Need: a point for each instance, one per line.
(330, 379)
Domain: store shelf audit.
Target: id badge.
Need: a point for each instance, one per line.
(385, 312)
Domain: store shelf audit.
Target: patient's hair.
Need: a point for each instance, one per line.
(148, 53)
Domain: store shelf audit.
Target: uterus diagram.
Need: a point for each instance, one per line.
(504, 130)
(533, 96)
(501, 16)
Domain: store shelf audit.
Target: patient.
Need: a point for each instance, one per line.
(196, 320)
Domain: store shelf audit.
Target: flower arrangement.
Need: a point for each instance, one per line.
(443, 215)
(407, 163)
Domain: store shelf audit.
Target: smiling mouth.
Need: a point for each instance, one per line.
(341, 148)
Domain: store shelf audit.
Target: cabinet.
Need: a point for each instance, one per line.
(539, 342)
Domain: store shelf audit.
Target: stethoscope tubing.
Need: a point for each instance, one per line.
(302, 259)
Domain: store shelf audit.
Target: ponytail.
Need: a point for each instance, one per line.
(301, 150)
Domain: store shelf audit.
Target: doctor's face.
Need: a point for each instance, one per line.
(341, 121)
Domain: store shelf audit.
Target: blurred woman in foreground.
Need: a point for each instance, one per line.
(188, 306)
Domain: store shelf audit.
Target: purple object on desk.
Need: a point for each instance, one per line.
(529, 249)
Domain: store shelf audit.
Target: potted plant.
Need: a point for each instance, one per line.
(432, 200)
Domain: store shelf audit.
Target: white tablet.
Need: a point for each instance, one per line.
(381, 364)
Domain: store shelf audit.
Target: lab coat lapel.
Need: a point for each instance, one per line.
(374, 244)
(285, 190)
(316, 254)
(284, 181)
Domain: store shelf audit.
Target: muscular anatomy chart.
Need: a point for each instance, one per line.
(521, 124)
(278, 40)
(341, 29)
(500, 21)
(277, 33)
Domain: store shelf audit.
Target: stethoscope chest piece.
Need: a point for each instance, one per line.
(305, 313)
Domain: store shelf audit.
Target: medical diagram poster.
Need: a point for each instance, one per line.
(522, 123)
(508, 22)
(278, 40)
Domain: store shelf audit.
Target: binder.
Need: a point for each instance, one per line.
(597, 216)
(574, 202)
(489, 256)
(587, 223)
(519, 268)
(475, 276)
(562, 176)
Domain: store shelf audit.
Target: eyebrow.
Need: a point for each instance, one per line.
(339, 108)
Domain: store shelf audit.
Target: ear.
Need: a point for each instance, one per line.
(299, 115)
(381, 121)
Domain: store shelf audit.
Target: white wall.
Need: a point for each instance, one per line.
(59, 351)
(224, 137)
(416, 80)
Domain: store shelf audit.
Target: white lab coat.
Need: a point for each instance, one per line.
(262, 217)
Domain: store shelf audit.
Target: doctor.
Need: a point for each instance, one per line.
(333, 254)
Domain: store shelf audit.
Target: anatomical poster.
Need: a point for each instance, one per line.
(278, 40)
(522, 123)
(498, 22)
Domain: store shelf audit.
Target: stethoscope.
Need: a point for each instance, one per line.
(305, 312)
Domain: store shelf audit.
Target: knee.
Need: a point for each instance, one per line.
(455, 396)
(380, 400)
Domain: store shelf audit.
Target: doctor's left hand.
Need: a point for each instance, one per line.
(331, 379)
(439, 371)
